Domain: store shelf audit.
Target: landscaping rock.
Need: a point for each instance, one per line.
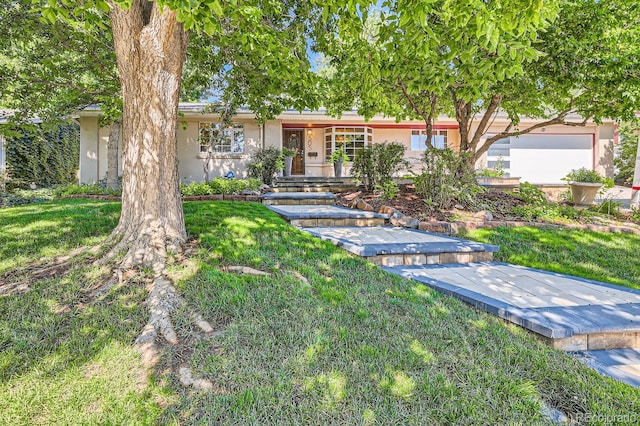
(395, 218)
(386, 210)
(409, 222)
(484, 215)
(459, 206)
(265, 188)
(250, 192)
(351, 197)
(399, 219)
(363, 205)
(556, 417)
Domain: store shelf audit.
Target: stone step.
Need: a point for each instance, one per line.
(567, 313)
(389, 246)
(324, 215)
(311, 188)
(298, 198)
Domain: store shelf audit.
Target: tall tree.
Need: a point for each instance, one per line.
(257, 47)
(473, 60)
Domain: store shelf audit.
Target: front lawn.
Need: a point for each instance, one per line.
(602, 256)
(325, 338)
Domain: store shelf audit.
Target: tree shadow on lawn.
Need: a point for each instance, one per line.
(30, 232)
(330, 338)
(601, 256)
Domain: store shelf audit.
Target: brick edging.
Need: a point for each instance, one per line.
(452, 228)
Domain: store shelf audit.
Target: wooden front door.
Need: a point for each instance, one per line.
(294, 139)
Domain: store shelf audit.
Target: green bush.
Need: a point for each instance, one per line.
(44, 157)
(446, 177)
(219, 186)
(264, 164)
(585, 175)
(625, 158)
(549, 212)
(531, 194)
(26, 196)
(496, 172)
(98, 188)
(375, 165)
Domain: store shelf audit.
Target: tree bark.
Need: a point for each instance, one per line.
(113, 146)
(150, 49)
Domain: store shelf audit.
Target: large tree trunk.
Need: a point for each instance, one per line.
(113, 146)
(150, 49)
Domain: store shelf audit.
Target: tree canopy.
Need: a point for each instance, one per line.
(471, 60)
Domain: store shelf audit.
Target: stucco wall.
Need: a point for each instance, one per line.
(191, 163)
(89, 150)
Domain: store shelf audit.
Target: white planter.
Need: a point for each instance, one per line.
(584, 193)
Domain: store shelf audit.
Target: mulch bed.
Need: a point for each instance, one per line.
(412, 204)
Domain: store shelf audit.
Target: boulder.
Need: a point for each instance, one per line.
(484, 215)
(363, 205)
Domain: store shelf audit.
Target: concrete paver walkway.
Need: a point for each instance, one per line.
(572, 313)
(621, 364)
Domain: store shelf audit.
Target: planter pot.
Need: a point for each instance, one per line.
(287, 166)
(584, 193)
(337, 168)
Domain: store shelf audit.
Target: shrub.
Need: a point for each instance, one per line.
(45, 157)
(496, 172)
(587, 176)
(195, 189)
(264, 164)
(26, 196)
(530, 194)
(625, 158)
(446, 177)
(219, 185)
(225, 186)
(375, 165)
(98, 188)
(550, 212)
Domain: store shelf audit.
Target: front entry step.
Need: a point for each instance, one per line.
(388, 246)
(323, 215)
(298, 198)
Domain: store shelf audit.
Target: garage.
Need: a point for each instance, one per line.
(543, 158)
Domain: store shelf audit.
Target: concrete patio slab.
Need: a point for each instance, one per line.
(571, 313)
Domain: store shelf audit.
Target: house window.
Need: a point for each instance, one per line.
(419, 139)
(220, 139)
(352, 138)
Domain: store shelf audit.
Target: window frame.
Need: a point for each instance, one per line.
(422, 133)
(354, 135)
(230, 138)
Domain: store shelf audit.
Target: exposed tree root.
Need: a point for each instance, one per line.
(162, 302)
(244, 270)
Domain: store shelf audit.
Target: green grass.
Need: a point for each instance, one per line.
(602, 256)
(353, 345)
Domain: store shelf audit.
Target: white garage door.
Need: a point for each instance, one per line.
(544, 158)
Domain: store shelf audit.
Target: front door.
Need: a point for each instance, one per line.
(294, 139)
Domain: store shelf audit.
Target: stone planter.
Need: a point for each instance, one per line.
(584, 193)
(287, 166)
(337, 168)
